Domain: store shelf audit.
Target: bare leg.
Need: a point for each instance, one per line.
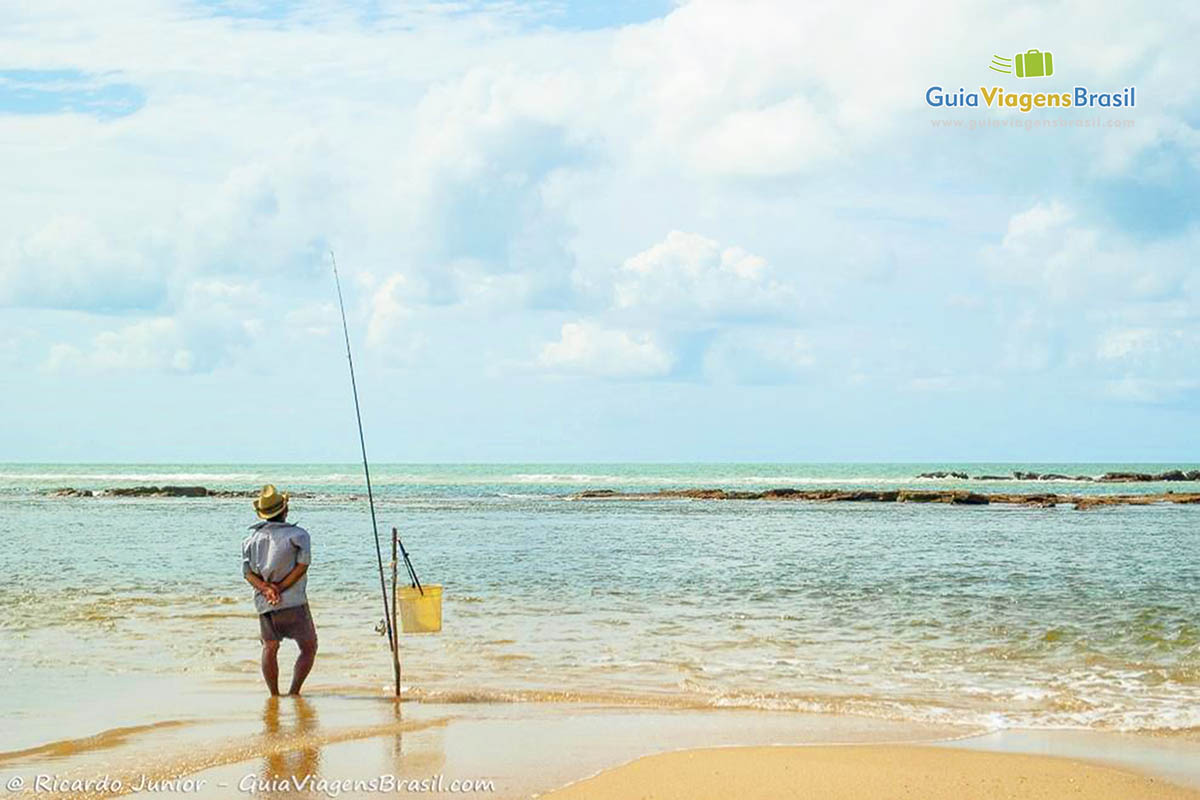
(270, 666)
(304, 663)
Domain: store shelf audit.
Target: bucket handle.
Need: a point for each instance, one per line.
(412, 573)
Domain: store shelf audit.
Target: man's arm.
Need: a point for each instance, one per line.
(268, 591)
(296, 574)
(254, 579)
(303, 545)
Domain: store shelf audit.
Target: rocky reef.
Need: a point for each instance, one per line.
(1108, 477)
(150, 491)
(955, 497)
(947, 497)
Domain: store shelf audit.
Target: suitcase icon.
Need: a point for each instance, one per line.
(1034, 64)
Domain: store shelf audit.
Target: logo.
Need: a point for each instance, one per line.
(1030, 64)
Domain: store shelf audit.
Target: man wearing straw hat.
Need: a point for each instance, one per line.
(275, 559)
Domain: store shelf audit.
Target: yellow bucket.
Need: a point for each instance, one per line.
(420, 613)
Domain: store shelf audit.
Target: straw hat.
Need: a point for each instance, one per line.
(270, 502)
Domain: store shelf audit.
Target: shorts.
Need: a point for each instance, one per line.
(287, 623)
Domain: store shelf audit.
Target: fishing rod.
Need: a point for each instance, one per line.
(387, 616)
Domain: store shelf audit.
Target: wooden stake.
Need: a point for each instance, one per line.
(395, 618)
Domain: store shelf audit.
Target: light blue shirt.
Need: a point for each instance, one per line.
(271, 551)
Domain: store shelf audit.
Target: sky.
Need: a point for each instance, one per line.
(714, 230)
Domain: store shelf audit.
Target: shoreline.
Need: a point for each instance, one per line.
(561, 750)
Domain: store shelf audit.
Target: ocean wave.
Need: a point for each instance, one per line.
(1172, 717)
(698, 481)
(134, 477)
(180, 477)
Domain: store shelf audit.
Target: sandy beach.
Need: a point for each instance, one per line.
(361, 746)
(866, 771)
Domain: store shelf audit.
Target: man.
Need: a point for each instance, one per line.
(275, 559)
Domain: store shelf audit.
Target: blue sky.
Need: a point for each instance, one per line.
(708, 230)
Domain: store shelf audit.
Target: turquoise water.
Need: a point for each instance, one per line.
(995, 616)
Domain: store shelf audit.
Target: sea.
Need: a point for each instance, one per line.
(993, 616)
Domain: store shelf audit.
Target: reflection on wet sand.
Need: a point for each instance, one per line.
(294, 743)
(297, 764)
(425, 753)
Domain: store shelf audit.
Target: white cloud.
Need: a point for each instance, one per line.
(1039, 220)
(70, 263)
(586, 347)
(1048, 247)
(154, 344)
(682, 289)
(474, 179)
(1149, 364)
(213, 320)
(269, 216)
(687, 275)
(759, 356)
(1153, 391)
(723, 88)
(1118, 345)
(1095, 305)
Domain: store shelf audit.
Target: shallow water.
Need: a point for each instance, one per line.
(993, 616)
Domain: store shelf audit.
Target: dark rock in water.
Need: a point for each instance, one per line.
(913, 496)
(867, 495)
(588, 494)
(184, 491)
(1173, 475)
(69, 492)
(994, 478)
(1194, 475)
(1049, 476)
(960, 475)
(1092, 501)
(1126, 477)
(1033, 499)
(954, 497)
(159, 491)
(711, 494)
(131, 491)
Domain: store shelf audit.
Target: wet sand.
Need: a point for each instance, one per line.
(336, 742)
